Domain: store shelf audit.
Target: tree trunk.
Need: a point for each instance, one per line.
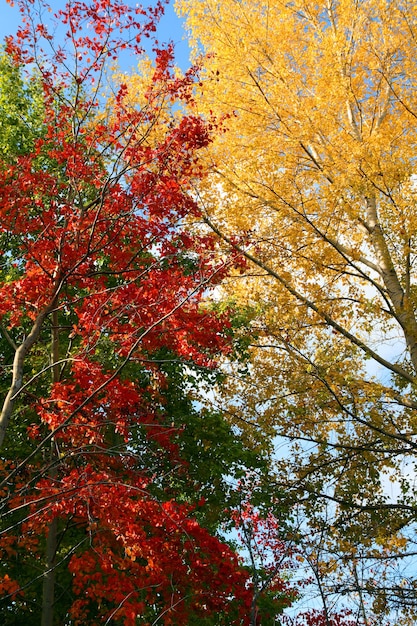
(48, 591)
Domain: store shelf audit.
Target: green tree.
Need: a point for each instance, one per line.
(21, 110)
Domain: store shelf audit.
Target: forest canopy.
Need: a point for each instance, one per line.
(314, 183)
(208, 325)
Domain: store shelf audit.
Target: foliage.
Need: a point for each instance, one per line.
(106, 462)
(21, 110)
(268, 559)
(314, 184)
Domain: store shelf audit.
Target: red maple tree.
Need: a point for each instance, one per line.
(102, 282)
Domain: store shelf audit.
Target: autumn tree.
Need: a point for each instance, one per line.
(106, 462)
(314, 183)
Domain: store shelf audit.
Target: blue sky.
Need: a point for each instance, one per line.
(169, 29)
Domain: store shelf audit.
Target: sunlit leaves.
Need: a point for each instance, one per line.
(314, 183)
(102, 288)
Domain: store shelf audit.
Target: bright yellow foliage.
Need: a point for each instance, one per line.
(315, 181)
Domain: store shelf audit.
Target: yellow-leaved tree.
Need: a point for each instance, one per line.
(315, 183)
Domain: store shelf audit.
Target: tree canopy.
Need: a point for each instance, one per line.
(114, 482)
(208, 322)
(314, 183)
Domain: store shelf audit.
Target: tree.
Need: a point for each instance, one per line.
(21, 110)
(104, 329)
(267, 557)
(314, 184)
